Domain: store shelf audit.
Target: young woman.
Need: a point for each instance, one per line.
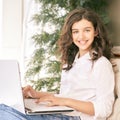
(87, 79)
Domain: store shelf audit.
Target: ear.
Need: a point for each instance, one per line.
(96, 33)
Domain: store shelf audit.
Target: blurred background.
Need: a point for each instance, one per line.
(29, 31)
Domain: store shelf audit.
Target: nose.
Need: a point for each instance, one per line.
(80, 35)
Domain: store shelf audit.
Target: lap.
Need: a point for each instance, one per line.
(53, 117)
(8, 113)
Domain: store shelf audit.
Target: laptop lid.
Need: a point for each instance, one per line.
(10, 86)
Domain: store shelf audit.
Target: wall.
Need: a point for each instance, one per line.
(11, 29)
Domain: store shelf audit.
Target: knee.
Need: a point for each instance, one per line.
(7, 113)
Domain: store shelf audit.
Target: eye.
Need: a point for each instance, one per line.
(87, 30)
(74, 32)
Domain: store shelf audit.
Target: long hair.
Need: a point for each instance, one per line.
(100, 45)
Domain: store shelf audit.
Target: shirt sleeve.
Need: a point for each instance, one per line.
(104, 78)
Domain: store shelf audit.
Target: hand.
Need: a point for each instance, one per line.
(28, 91)
(52, 100)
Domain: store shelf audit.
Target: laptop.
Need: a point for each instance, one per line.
(11, 92)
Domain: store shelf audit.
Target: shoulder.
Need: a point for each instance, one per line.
(103, 63)
(103, 69)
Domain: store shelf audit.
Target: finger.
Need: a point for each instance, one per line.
(29, 94)
(37, 101)
(50, 104)
(42, 100)
(27, 91)
(46, 103)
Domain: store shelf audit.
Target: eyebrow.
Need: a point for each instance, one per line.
(84, 28)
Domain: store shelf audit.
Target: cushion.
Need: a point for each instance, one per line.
(116, 111)
(116, 68)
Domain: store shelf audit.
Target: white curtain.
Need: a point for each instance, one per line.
(0, 26)
(29, 27)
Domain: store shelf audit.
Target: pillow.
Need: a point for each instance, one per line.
(116, 111)
(116, 67)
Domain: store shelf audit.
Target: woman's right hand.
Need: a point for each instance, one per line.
(29, 92)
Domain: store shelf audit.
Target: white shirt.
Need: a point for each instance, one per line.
(89, 81)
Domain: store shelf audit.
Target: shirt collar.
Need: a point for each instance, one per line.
(86, 56)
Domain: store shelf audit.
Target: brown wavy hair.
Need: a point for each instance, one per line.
(100, 45)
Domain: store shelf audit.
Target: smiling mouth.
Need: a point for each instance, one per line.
(83, 42)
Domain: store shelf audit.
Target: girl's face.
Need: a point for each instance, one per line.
(83, 34)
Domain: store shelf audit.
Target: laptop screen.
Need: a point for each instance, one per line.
(10, 86)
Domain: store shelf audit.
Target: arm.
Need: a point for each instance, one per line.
(101, 107)
(84, 107)
(104, 79)
(81, 106)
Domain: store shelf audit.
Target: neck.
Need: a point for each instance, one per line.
(81, 53)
